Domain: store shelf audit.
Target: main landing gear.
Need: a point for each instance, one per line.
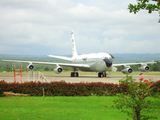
(74, 74)
(102, 74)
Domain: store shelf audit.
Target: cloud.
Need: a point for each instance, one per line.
(43, 27)
(115, 32)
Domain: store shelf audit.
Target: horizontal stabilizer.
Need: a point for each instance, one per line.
(61, 57)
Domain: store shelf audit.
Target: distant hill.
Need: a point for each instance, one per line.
(136, 57)
(12, 56)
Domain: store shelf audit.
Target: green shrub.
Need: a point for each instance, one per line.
(66, 89)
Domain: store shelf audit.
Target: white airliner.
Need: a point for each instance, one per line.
(94, 62)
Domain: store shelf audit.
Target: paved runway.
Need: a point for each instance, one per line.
(82, 78)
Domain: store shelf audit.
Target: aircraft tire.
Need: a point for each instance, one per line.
(76, 74)
(104, 75)
(100, 74)
(72, 74)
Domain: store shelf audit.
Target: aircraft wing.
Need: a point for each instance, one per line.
(50, 63)
(127, 64)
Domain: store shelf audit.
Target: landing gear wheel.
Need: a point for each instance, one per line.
(77, 74)
(102, 74)
(99, 74)
(74, 74)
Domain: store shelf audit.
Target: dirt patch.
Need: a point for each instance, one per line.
(8, 94)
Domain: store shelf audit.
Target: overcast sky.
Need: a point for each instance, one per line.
(42, 27)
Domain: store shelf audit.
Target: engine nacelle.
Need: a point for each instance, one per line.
(127, 70)
(30, 67)
(144, 68)
(58, 70)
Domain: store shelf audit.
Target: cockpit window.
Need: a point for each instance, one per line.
(108, 57)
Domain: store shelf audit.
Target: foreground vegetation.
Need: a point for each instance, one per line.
(63, 88)
(64, 108)
(136, 98)
(90, 101)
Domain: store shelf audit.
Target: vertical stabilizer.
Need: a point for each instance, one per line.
(74, 51)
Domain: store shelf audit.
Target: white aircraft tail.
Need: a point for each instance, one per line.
(74, 51)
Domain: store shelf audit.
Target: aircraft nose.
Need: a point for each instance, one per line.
(108, 62)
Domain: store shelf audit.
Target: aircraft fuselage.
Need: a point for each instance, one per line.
(95, 60)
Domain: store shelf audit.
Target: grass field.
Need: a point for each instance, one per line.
(64, 108)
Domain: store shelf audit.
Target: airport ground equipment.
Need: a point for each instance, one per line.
(35, 76)
(17, 73)
(30, 76)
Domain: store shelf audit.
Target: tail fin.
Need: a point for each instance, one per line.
(74, 51)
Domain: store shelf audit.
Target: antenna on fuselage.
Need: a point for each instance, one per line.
(74, 51)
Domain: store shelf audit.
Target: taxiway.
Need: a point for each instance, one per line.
(83, 78)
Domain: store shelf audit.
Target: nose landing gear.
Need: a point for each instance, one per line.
(102, 74)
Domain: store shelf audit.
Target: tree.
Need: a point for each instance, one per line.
(133, 101)
(46, 69)
(144, 4)
(155, 67)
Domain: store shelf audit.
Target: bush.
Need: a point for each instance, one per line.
(67, 89)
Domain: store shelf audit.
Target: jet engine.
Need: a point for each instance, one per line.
(144, 68)
(127, 70)
(30, 67)
(58, 70)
